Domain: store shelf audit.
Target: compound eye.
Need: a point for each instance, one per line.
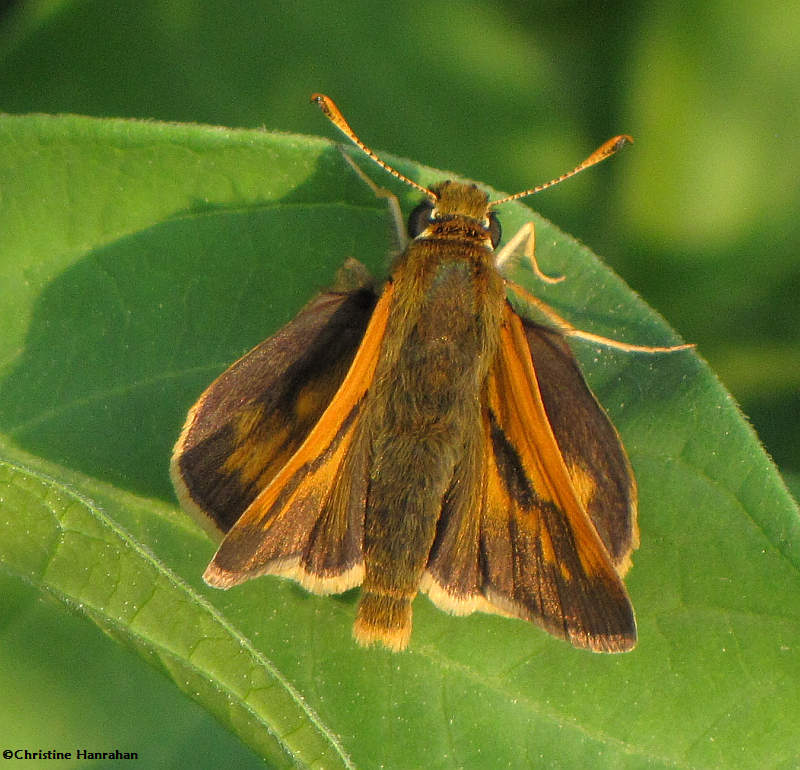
(420, 218)
(495, 231)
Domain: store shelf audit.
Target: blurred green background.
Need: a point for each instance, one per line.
(699, 216)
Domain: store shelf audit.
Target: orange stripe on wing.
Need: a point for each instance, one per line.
(515, 399)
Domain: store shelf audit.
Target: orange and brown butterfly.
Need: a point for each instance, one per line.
(422, 437)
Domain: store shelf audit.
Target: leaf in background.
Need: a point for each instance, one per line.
(138, 260)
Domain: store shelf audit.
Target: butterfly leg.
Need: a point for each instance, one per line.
(568, 330)
(398, 222)
(525, 237)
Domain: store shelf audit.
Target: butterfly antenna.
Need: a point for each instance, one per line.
(334, 114)
(605, 150)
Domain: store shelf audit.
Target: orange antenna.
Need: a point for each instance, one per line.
(333, 113)
(605, 150)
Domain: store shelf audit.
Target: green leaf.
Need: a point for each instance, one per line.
(137, 261)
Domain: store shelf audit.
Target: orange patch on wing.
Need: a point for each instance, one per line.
(582, 483)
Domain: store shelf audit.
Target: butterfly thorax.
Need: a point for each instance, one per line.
(444, 325)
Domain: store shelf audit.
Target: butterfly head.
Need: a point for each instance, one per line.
(454, 209)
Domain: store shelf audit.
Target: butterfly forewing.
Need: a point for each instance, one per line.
(307, 523)
(516, 539)
(590, 445)
(253, 417)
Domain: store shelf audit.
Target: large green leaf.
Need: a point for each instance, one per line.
(137, 261)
